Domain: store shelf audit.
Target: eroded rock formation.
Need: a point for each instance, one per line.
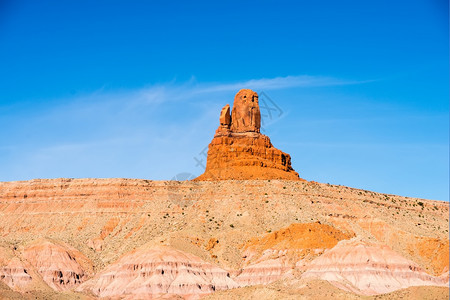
(369, 269)
(13, 272)
(60, 266)
(159, 270)
(238, 149)
(275, 255)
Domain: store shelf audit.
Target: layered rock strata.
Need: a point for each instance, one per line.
(278, 254)
(13, 272)
(369, 269)
(158, 270)
(62, 267)
(239, 150)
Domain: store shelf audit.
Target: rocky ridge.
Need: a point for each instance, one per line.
(110, 237)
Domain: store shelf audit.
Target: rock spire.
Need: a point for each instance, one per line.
(239, 150)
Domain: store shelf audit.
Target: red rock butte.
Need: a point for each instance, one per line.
(239, 150)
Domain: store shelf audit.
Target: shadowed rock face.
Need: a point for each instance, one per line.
(238, 149)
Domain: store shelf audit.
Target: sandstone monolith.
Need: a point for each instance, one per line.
(239, 150)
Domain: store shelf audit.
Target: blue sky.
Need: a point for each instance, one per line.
(134, 88)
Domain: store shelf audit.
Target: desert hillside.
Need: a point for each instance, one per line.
(115, 237)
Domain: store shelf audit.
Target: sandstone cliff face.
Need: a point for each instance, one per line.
(238, 149)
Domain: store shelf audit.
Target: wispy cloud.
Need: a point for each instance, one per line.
(277, 83)
(175, 91)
